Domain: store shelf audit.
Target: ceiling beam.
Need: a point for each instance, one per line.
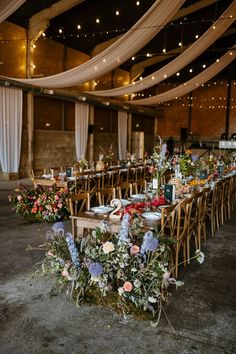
(40, 21)
(181, 13)
(74, 96)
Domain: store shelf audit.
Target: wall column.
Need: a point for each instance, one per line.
(91, 135)
(129, 132)
(30, 131)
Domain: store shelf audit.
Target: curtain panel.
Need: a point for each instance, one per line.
(191, 53)
(81, 129)
(122, 134)
(10, 128)
(192, 84)
(8, 7)
(130, 43)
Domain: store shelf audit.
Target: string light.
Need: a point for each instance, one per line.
(196, 36)
(117, 13)
(137, 3)
(97, 20)
(79, 27)
(60, 30)
(190, 70)
(133, 58)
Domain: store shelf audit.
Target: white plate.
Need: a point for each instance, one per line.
(102, 209)
(151, 215)
(124, 202)
(47, 176)
(138, 196)
(163, 206)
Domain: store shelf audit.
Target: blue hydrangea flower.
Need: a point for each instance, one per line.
(150, 243)
(58, 227)
(95, 269)
(124, 229)
(74, 254)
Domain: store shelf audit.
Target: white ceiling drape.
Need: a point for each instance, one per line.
(130, 43)
(81, 129)
(10, 128)
(7, 7)
(192, 84)
(122, 134)
(191, 53)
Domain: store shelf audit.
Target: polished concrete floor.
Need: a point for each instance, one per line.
(201, 314)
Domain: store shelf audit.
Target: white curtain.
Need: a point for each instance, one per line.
(81, 128)
(10, 128)
(191, 53)
(122, 134)
(130, 43)
(7, 7)
(192, 84)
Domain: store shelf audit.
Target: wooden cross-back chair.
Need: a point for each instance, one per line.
(214, 207)
(105, 195)
(77, 203)
(182, 232)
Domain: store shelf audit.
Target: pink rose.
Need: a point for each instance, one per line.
(50, 253)
(65, 273)
(134, 249)
(127, 286)
(19, 197)
(166, 275)
(59, 205)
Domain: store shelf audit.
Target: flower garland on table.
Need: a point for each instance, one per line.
(40, 204)
(128, 271)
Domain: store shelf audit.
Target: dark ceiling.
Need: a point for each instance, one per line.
(91, 33)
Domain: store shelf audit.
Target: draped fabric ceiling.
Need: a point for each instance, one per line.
(8, 7)
(130, 43)
(192, 84)
(191, 53)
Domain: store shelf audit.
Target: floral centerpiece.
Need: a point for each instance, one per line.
(187, 163)
(40, 204)
(160, 163)
(81, 164)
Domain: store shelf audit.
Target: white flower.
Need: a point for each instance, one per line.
(200, 256)
(179, 283)
(94, 233)
(137, 283)
(104, 227)
(108, 247)
(120, 291)
(152, 299)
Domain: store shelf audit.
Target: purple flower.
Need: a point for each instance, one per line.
(150, 243)
(95, 269)
(194, 158)
(74, 254)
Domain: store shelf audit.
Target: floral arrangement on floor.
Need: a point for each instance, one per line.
(40, 204)
(128, 271)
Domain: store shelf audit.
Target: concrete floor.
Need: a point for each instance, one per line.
(201, 313)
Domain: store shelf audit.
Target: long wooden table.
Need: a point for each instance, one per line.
(89, 220)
